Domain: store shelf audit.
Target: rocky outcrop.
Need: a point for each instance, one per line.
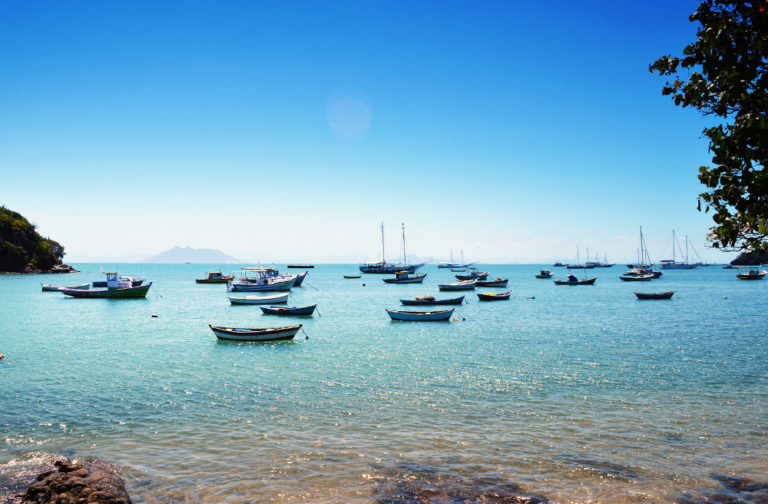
(751, 259)
(92, 483)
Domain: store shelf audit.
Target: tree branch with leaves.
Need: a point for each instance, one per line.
(725, 78)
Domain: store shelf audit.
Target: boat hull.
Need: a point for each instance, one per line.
(413, 279)
(351, 276)
(278, 310)
(257, 300)
(493, 297)
(126, 293)
(221, 280)
(750, 277)
(300, 279)
(300, 266)
(588, 281)
(54, 288)
(467, 285)
(544, 276)
(637, 278)
(416, 302)
(654, 295)
(255, 335)
(492, 283)
(420, 316)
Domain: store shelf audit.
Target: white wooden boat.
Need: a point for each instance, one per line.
(55, 288)
(463, 285)
(265, 334)
(257, 300)
(429, 316)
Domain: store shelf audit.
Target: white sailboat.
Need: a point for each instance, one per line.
(453, 264)
(383, 266)
(672, 263)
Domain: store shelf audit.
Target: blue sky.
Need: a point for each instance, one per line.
(290, 131)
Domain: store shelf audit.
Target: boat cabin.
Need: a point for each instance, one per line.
(214, 275)
(402, 275)
(114, 281)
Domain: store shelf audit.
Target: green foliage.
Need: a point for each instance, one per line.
(22, 246)
(726, 78)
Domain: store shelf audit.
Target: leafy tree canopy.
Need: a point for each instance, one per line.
(723, 74)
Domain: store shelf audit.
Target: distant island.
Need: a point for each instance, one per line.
(23, 250)
(751, 259)
(190, 255)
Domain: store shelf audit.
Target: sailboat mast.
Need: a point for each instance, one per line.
(674, 241)
(578, 258)
(686, 249)
(405, 261)
(383, 258)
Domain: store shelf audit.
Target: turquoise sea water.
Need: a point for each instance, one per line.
(583, 394)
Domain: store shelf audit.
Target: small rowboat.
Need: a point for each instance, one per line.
(465, 285)
(214, 277)
(429, 300)
(255, 300)
(489, 296)
(403, 277)
(545, 274)
(637, 278)
(121, 292)
(351, 276)
(586, 281)
(54, 288)
(266, 334)
(282, 310)
(498, 282)
(429, 316)
(458, 270)
(654, 295)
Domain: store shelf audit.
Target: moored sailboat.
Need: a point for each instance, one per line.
(383, 267)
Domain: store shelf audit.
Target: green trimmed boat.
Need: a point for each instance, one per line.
(115, 289)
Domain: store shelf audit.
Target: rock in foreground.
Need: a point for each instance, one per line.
(92, 483)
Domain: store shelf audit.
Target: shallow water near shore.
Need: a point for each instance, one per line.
(583, 394)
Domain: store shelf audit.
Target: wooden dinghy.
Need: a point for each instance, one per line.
(431, 301)
(265, 334)
(654, 295)
(403, 277)
(56, 288)
(429, 316)
(118, 293)
(464, 285)
(498, 282)
(489, 296)
(637, 278)
(351, 276)
(257, 300)
(292, 310)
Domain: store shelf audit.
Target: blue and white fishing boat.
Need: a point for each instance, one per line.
(463, 285)
(383, 267)
(429, 316)
(261, 279)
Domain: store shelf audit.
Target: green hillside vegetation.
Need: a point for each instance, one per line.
(22, 247)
